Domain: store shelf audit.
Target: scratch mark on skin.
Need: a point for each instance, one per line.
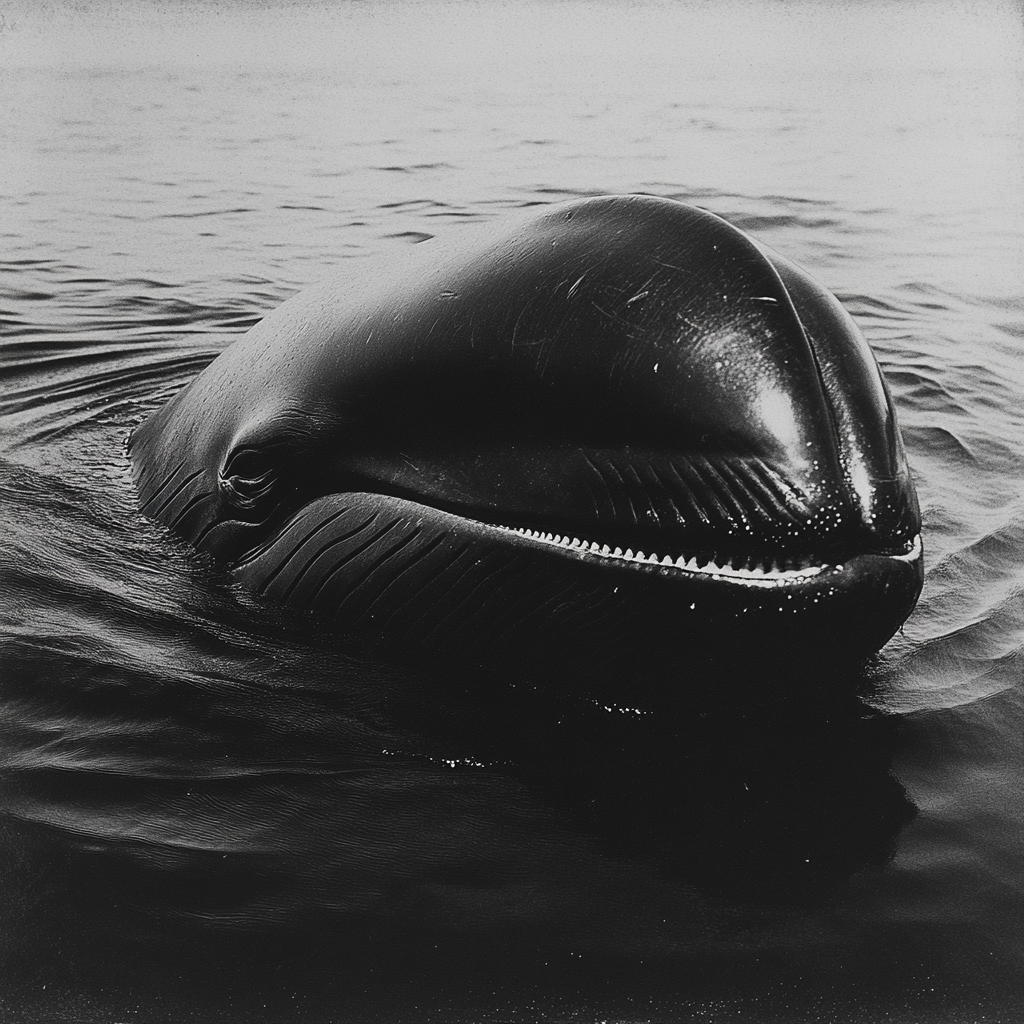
(644, 290)
(543, 358)
(672, 266)
(515, 327)
(614, 317)
(607, 492)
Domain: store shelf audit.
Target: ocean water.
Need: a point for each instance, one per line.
(208, 815)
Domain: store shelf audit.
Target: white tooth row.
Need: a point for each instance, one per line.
(681, 562)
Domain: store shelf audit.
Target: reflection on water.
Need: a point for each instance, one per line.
(207, 811)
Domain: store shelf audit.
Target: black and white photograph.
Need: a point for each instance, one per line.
(511, 512)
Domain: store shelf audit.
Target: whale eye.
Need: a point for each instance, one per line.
(248, 476)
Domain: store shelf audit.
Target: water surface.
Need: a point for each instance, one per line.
(206, 814)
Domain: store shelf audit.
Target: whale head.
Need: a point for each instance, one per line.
(612, 425)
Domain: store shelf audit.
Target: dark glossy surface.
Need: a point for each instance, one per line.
(207, 814)
(628, 377)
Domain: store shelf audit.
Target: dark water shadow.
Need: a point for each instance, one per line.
(414, 884)
(776, 801)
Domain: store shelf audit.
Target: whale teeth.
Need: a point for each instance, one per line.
(769, 570)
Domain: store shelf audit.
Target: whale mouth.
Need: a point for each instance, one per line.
(312, 529)
(380, 566)
(767, 571)
(724, 516)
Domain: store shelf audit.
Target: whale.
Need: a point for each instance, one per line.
(616, 430)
